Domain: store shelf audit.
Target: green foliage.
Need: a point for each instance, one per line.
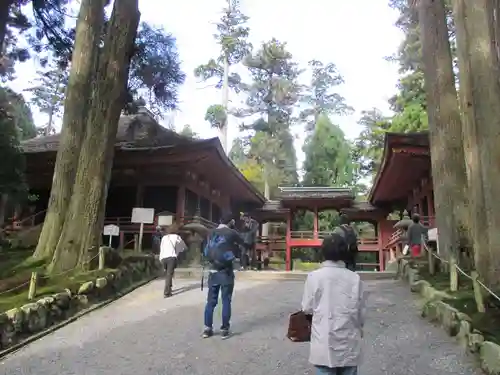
(232, 34)
(368, 147)
(187, 131)
(48, 94)
(237, 154)
(216, 116)
(409, 104)
(155, 71)
(319, 98)
(12, 180)
(272, 94)
(328, 156)
(20, 113)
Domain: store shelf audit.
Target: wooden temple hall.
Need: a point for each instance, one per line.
(175, 175)
(153, 168)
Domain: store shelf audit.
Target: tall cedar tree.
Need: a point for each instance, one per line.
(48, 95)
(81, 232)
(16, 124)
(477, 27)
(83, 66)
(272, 95)
(328, 158)
(319, 97)
(232, 37)
(447, 153)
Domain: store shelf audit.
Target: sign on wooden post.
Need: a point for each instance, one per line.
(165, 220)
(111, 230)
(142, 216)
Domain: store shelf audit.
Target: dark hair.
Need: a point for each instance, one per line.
(172, 229)
(226, 219)
(415, 218)
(344, 220)
(334, 248)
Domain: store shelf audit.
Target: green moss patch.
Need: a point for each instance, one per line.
(487, 323)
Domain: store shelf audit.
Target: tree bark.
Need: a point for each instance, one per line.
(83, 67)
(476, 206)
(480, 81)
(81, 234)
(447, 153)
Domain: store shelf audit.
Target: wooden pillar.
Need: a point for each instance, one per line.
(380, 245)
(315, 224)
(122, 241)
(181, 203)
(288, 257)
(139, 195)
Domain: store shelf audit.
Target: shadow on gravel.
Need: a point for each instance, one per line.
(185, 289)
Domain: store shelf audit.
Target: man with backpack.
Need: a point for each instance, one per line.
(351, 238)
(219, 250)
(249, 235)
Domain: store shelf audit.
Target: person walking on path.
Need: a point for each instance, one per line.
(349, 234)
(415, 233)
(249, 235)
(171, 246)
(335, 298)
(219, 250)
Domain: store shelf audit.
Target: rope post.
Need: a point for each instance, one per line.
(478, 295)
(102, 253)
(432, 263)
(32, 289)
(453, 273)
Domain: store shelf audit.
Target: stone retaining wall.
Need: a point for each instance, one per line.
(454, 322)
(20, 323)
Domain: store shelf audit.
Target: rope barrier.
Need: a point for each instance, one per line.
(47, 276)
(15, 288)
(493, 294)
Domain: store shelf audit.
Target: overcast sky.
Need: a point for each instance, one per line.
(356, 35)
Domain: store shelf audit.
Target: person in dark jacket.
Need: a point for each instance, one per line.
(349, 234)
(249, 235)
(415, 233)
(226, 240)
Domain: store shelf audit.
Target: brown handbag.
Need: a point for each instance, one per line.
(299, 327)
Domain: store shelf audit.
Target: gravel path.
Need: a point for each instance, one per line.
(144, 334)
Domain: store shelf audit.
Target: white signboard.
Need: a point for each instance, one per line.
(165, 220)
(111, 230)
(143, 215)
(432, 234)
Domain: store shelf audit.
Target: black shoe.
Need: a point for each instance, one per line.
(225, 334)
(207, 332)
(166, 295)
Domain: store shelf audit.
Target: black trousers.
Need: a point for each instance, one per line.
(169, 265)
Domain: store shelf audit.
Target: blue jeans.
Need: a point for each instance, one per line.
(226, 291)
(321, 370)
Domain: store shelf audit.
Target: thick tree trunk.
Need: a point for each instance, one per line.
(76, 107)
(476, 206)
(480, 72)
(81, 234)
(447, 154)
